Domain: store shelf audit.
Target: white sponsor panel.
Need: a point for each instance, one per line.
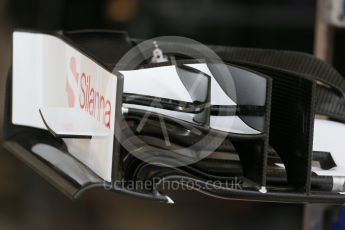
(51, 76)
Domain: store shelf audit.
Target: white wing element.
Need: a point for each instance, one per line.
(72, 123)
(329, 137)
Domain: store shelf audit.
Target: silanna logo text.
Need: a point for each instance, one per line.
(91, 100)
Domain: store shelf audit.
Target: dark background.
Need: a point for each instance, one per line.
(28, 202)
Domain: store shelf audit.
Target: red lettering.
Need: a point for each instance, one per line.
(92, 101)
(82, 99)
(101, 109)
(107, 114)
